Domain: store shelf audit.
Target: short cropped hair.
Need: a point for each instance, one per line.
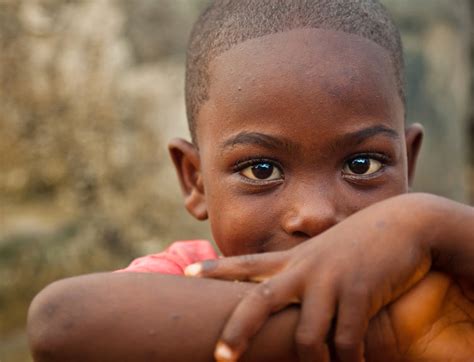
(226, 23)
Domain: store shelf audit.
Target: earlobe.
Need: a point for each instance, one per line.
(186, 160)
(414, 138)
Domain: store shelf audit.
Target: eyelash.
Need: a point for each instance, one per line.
(242, 164)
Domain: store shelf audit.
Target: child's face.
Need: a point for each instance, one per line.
(301, 129)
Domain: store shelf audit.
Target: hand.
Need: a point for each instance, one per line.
(433, 321)
(346, 275)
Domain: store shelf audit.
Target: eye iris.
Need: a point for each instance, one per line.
(359, 165)
(262, 170)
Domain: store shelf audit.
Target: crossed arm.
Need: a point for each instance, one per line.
(154, 317)
(145, 317)
(149, 317)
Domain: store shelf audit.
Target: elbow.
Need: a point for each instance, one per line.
(49, 316)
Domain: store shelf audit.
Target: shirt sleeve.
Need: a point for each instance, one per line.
(174, 259)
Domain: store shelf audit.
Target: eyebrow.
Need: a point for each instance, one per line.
(357, 137)
(270, 142)
(259, 139)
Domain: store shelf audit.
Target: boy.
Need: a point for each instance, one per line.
(301, 160)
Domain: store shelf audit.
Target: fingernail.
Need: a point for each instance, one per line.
(224, 353)
(193, 270)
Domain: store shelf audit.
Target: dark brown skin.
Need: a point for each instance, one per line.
(149, 317)
(340, 275)
(288, 115)
(144, 317)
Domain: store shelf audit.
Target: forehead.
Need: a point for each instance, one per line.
(321, 76)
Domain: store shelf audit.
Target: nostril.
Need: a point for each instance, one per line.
(300, 235)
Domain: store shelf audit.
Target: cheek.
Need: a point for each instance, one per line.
(399, 181)
(239, 227)
(395, 185)
(352, 198)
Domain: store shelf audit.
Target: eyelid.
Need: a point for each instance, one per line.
(250, 161)
(242, 164)
(383, 159)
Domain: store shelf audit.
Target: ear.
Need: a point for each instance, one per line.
(414, 138)
(186, 160)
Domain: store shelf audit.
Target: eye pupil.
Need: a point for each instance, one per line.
(359, 165)
(262, 170)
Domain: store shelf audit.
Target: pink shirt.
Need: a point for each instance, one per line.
(174, 259)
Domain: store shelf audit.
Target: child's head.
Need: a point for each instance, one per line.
(296, 109)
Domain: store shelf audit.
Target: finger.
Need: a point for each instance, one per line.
(351, 327)
(315, 321)
(254, 309)
(252, 267)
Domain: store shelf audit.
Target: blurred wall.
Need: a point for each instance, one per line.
(437, 39)
(92, 90)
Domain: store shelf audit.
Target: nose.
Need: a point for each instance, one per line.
(310, 214)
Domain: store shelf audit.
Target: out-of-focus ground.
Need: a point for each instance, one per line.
(90, 92)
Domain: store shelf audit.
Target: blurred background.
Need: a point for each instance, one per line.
(90, 92)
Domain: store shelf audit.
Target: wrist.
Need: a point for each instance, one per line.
(421, 215)
(442, 228)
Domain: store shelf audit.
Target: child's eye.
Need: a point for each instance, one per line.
(262, 170)
(362, 165)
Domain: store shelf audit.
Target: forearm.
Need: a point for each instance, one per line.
(128, 316)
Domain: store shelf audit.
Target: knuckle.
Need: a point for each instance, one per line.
(263, 293)
(358, 292)
(266, 291)
(346, 342)
(247, 261)
(305, 339)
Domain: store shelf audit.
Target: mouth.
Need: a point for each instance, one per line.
(277, 244)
